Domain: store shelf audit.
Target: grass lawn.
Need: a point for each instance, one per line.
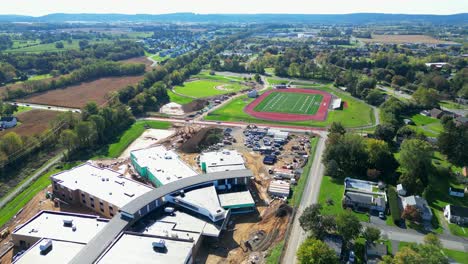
(12, 208)
(429, 126)
(217, 77)
(294, 103)
(22, 109)
(458, 256)
(274, 255)
(178, 99)
(452, 105)
(270, 71)
(158, 58)
(114, 150)
(39, 77)
(355, 114)
(334, 189)
(298, 189)
(272, 81)
(207, 88)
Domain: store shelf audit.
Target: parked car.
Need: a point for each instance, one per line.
(382, 215)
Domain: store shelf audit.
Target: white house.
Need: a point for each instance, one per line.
(456, 214)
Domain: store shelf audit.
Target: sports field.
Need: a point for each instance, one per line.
(207, 88)
(293, 103)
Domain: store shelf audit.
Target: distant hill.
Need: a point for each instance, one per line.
(358, 18)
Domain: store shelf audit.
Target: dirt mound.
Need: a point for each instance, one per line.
(195, 105)
(205, 137)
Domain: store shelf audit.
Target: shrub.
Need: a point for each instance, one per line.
(393, 203)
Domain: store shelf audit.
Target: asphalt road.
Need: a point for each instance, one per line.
(310, 196)
(47, 107)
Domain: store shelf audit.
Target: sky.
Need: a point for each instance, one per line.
(43, 7)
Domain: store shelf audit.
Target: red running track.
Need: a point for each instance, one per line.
(320, 115)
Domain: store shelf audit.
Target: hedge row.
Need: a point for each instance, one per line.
(393, 203)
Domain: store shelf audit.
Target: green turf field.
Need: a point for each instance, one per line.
(207, 88)
(291, 103)
(355, 114)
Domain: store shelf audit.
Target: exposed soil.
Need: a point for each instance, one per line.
(78, 95)
(32, 122)
(194, 105)
(399, 39)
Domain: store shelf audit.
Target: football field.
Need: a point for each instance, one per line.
(291, 103)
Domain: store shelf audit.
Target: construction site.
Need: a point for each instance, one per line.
(247, 237)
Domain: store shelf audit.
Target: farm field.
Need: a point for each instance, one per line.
(78, 95)
(399, 39)
(354, 114)
(32, 122)
(295, 103)
(141, 59)
(207, 88)
(49, 47)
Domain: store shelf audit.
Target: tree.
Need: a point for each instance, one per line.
(411, 213)
(432, 239)
(416, 163)
(348, 225)
(380, 156)
(69, 140)
(337, 128)
(375, 97)
(398, 81)
(11, 143)
(312, 220)
(427, 98)
(385, 132)
(91, 108)
(59, 45)
(453, 142)
(257, 78)
(313, 251)
(349, 153)
(371, 234)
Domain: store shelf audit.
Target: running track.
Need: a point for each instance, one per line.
(319, 116)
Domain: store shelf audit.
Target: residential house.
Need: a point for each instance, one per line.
(461, 121)
(421, 204)
(8, 122)
(456, 214)
(364, 195)
(456, 192)
(401, 190)
(252, 94)
(436, 113)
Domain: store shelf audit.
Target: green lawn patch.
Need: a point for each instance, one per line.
(333, 190)
(452, 105)
(178, 98)
(115, 150)
(217, 77)
(274, 255)
(207, 88)
(426, 125)
(298, 190)
(458, 230)
(13, 207)
(22, 109)
(458, 256)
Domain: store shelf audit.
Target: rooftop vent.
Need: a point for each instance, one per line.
(130, 194)
(68, 222)
(159, 244)
(45, 245)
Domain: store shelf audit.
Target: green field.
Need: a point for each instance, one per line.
(50, 47)
(292, 103)
(114, 150)
(430, 127)
(354, 114)
(178, 98)
(207, 88)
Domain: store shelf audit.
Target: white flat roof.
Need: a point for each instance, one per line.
(336, 103)
(48, 224)
(62, 252)
(164, 164)
(235, 198)
(136, 249)
(103, 184)
(206, 198)
(224, 160)
(182, 223)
